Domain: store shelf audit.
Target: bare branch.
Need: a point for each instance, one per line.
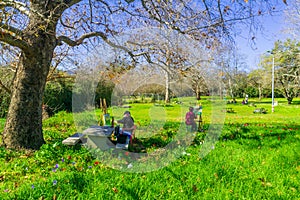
(106, 4)
(12, 36)
(160, 20)
(15, 4)
(73, 43)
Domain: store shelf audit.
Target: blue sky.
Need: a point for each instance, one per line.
(273, 26)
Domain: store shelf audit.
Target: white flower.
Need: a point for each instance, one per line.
(129, 166)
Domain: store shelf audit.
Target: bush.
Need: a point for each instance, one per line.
(58, 95)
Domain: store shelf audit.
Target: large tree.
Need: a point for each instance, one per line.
(36, 28)
(287, 68)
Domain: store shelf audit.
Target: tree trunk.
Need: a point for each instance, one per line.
(198, 96)
(167, 92)
(23, 127)
(289, 99)
(259, 92)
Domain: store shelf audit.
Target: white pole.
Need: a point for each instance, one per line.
(273, 83)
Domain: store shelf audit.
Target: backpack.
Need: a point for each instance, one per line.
(189, 118)
(117, 131)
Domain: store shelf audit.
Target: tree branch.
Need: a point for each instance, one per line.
(160, 20)
(79, 41)
(15, 4)
(12, 36)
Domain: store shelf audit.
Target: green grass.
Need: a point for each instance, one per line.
(257, 157)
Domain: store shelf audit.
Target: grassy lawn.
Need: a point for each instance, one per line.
(256, 157)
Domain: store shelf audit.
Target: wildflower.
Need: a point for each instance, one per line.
(212, 147)
(126, 153)
(53, 170)
(62, 160)
(89, 167)
(54, 182)
(6, 190)
(96, 163)
(129, 166)
(56, 166)
(32, 186)
(73, 163)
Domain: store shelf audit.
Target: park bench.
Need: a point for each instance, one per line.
(73, 139)
(98, 137)
(229, 110)
(102, 137)
(260, 110)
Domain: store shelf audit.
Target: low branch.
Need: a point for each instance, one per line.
(79, 41)
(12, 37)
(7, 28)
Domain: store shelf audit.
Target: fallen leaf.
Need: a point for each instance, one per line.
(115, 190)
(195, 189)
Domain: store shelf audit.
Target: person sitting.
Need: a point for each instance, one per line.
(190, 119)
(128, 127)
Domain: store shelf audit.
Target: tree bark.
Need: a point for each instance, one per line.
(198, 96)
(23, 127)
(167, 90)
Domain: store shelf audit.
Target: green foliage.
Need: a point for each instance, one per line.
(286, 64)
(58, 95)
(5, 100)
(6, 75)
(104, 91)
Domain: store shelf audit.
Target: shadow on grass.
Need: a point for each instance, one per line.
(296, 102)
(259, 135)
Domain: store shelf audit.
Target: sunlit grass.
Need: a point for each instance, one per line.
(257, 157)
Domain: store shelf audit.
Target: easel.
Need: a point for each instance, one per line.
(200, 124)
(104, 113)
(200, 121)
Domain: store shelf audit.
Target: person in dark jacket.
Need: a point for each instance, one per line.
(128, 126)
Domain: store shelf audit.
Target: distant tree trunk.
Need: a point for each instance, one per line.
(198, 96)
(259, 92)
(23, 127)
(289, 99)
(167, 92)
(230, 88)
